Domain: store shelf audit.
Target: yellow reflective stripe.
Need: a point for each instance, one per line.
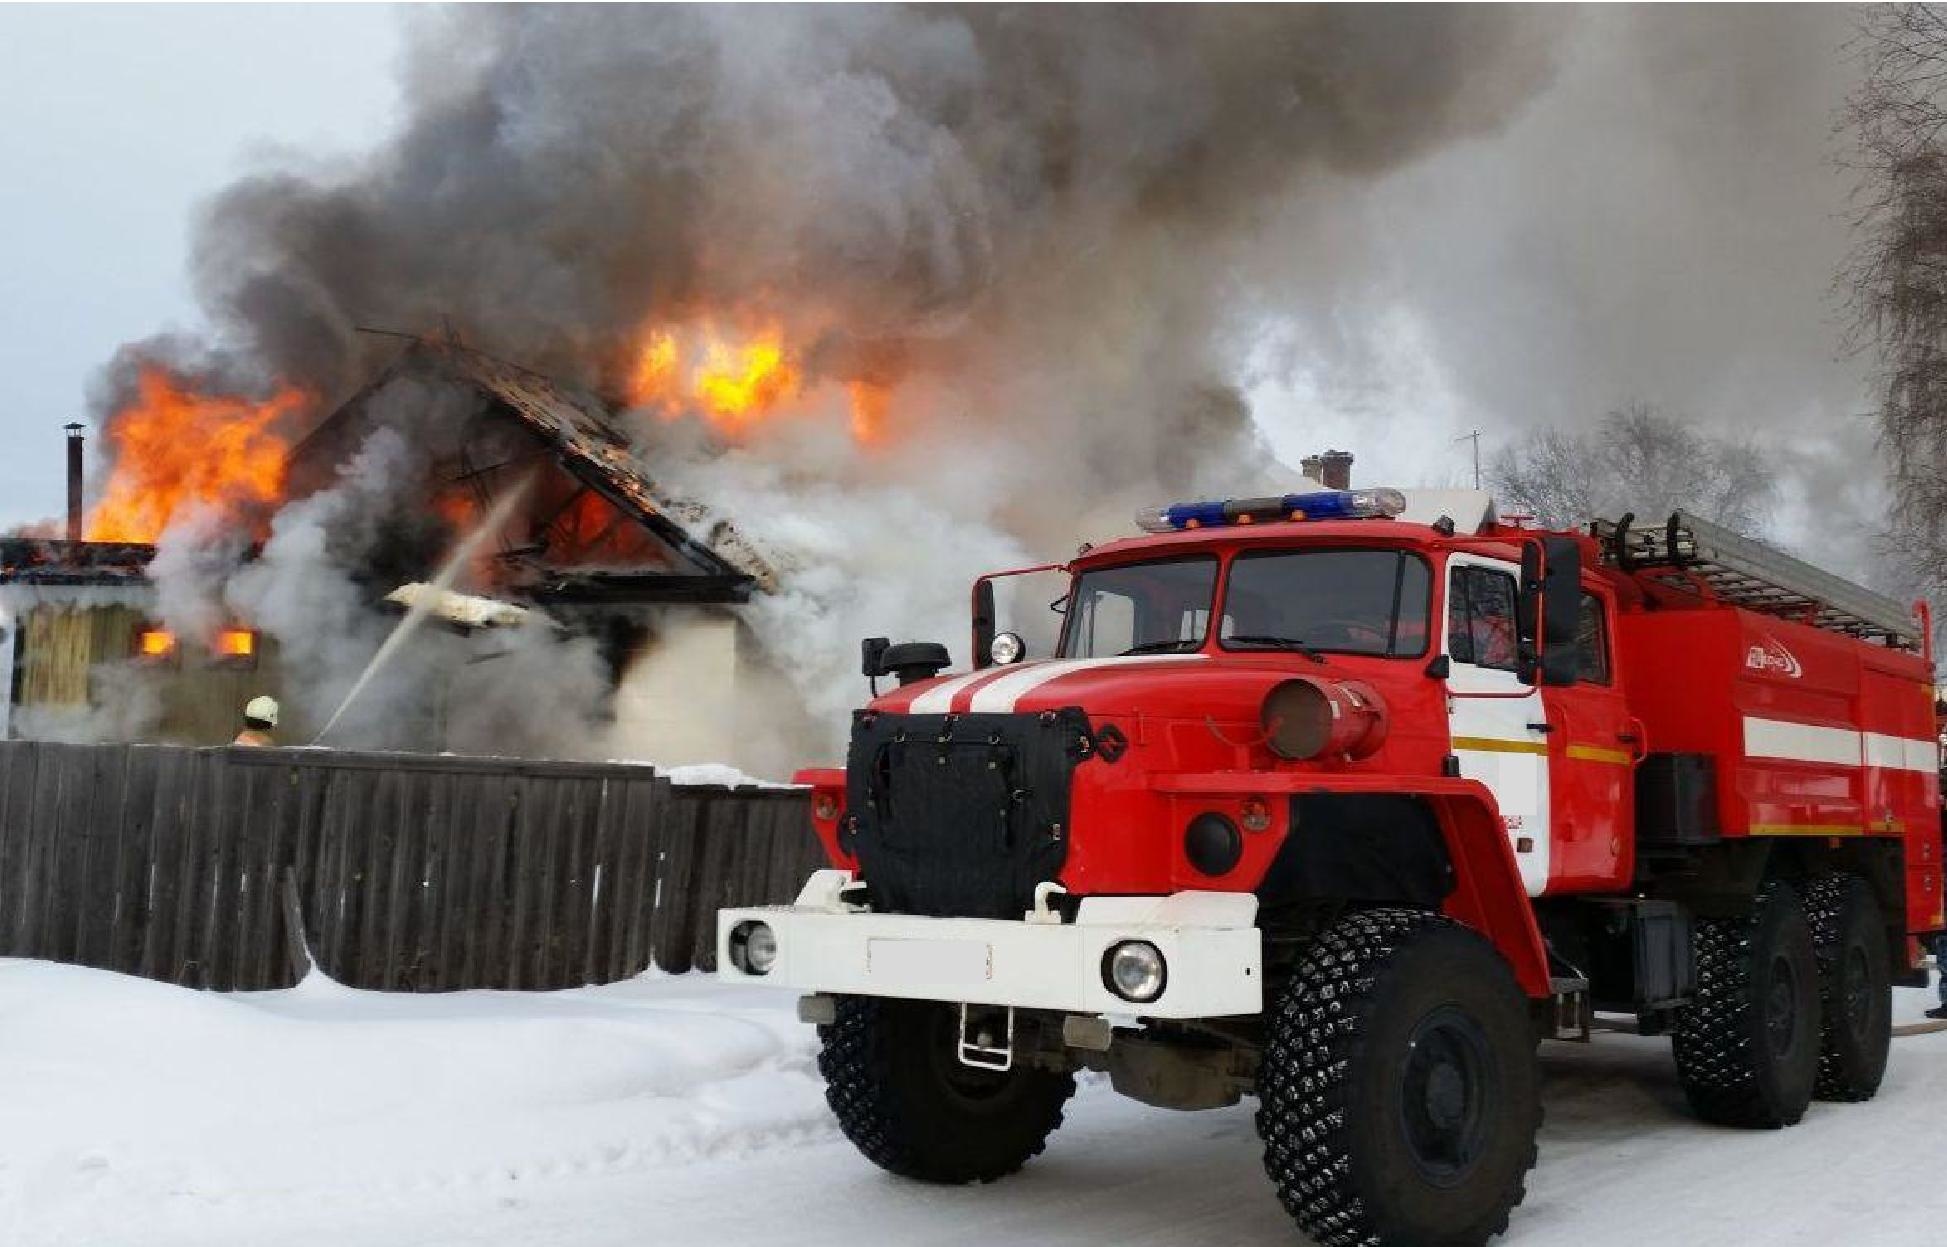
(1794, 829)
(1494, 744)
(1596, 753)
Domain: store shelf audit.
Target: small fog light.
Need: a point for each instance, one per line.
(1212, 844)
(1134, 970)
(753, 947)
(1007, 649)
(1255, 814)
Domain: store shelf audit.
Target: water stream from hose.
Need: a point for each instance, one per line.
(422, 605)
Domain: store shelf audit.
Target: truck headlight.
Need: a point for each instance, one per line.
(1007, 649)
(1134, 970)
(753, 947)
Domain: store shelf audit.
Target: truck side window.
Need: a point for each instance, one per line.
(1480, 619)
(1592, 642)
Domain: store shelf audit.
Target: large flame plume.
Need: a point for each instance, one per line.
(175, 448)
(737, 382)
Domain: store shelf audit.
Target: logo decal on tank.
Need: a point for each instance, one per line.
(1770, 656)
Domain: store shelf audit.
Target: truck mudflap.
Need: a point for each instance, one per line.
(1211, 955)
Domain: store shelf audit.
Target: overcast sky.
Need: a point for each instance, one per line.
(115, 121)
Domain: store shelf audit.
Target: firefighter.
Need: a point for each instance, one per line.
(259, 720)
(1940, 958)
(1940, 969)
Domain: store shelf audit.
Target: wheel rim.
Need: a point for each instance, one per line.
(1448, 1085)
(1781, 1006)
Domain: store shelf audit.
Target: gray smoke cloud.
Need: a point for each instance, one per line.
(1661, 224)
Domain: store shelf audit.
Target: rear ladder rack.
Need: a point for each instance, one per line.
(1693, 555)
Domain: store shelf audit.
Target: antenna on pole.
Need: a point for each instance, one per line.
(1474, 437)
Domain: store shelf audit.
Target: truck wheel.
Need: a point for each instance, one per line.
(1855, 987)
(1747, 1047)
(1399, 1094)
(901, 1095)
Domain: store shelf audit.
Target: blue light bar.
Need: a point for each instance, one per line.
(1328, 504)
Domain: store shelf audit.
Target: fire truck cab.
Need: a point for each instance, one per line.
(1344, 800)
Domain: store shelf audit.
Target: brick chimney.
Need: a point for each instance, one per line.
(1333, 469)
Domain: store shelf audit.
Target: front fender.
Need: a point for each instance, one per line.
(1488, 894)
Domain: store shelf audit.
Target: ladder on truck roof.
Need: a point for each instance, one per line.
(1696, 556)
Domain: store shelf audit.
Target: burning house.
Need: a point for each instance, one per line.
(570, 555)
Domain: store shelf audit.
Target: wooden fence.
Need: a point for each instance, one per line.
(413, 873)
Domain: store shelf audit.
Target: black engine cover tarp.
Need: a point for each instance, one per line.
(960, 816)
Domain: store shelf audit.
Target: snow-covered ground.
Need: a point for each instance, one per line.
(672, 1111)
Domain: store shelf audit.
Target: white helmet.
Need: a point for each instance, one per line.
(262, 709)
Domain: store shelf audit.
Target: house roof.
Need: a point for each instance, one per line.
(712, 560)
(45, 561)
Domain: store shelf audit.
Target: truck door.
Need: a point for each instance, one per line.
(1499, 726)
(1593, 745)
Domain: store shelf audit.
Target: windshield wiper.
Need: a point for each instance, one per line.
(1160, 647)
(1291, 643)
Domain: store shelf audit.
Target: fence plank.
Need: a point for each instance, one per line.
(545, 898)
(671, 937)
(461, 838)
(725, 850)
(390, 938)
(16, 814)
(638, 827)
(260, 937)
(437, 798)
(165, 863)
(223, 819)
(93, 915)
(134, 863)
(35, 866)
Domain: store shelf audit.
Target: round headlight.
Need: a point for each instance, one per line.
(1007, 648)
(753, 947)
(1134, 970)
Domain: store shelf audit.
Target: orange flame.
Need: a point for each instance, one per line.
(733, 384)
(738, 384)
(175, 447)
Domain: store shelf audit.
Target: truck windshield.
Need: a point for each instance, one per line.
(1141, 608)
(1328, 601)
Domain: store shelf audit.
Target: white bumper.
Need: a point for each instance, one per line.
(1209, 942)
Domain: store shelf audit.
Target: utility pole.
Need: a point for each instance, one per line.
(1474, 437)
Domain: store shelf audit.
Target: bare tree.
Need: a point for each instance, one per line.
(1639, 460)
(1895, 280)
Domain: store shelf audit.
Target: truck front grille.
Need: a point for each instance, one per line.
(960, 816)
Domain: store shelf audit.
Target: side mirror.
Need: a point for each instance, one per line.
(983, 623)
(1549, 610)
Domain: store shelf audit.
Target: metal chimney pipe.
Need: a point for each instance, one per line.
(75, 465)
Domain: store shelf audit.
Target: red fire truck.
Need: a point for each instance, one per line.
(1345, 799)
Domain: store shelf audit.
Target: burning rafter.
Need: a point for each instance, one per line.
(612, 533)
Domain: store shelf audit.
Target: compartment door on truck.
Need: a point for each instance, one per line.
(1499, 726)
(1592, 763)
